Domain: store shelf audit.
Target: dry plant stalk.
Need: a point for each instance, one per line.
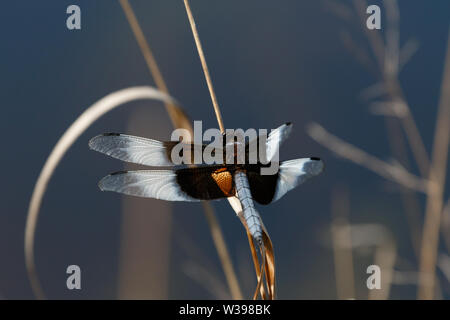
(265, 269)
(216, 231)
(435, 192)
(204, 65)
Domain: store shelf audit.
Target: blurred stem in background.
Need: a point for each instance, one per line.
(145, 237)
(435, 193)
(342, 243)
(347, 238)
(388, 60)
(397, 112)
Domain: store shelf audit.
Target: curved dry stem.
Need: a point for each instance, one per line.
(269, 258)
(267, 266)
(260, 286)
(258, 271)
(88, 117)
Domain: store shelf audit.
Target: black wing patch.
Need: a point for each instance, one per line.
(262, 187)
(207, 183)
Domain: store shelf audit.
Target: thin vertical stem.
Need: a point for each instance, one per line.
(204, 65)
(435, 193)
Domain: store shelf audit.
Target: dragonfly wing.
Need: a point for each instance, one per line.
(187, 184)
(157, 184)
(294, 172)
(272, 143)
(208, 182)
(145, 151)
(276, 138)
(269, 188)
(133, 149)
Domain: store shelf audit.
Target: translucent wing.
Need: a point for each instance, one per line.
(133, 149)
(269, 188)
(158, 184)
(276, 138)
(273, 141)
(187, 184)
(144, 151)
(294, 172)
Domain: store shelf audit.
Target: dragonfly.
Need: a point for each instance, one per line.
(243, 181)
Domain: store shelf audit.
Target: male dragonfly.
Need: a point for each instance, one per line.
(206, 182)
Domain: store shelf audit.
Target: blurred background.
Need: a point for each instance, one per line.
(271, 62)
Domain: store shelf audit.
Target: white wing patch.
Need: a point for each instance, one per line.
(276, 138)
(131, 149)
(157, 184)
(294, 172)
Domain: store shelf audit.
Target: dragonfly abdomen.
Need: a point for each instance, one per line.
(251, 216)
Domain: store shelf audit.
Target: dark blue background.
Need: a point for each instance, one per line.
(271, 62)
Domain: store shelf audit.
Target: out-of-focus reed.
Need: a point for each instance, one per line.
(389, 59)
